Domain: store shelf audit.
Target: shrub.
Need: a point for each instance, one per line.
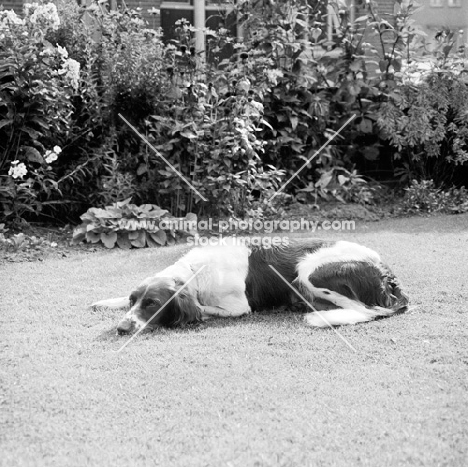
(235, 128)
(127, 225)
(37, 80)
(424, 197)
(426, 121)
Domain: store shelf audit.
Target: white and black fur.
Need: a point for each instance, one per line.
(347, 281)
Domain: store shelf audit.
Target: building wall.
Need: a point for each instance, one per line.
(434, 18)
(16, 5)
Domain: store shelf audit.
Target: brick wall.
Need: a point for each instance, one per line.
(16, 5)
(154, 21)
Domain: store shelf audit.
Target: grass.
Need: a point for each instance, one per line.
(258, 391)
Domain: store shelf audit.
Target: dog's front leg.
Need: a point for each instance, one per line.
(232, 308)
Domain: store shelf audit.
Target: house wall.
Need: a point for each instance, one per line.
(16, 5)
(433, 18)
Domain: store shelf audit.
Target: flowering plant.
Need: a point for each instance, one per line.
(38, 80)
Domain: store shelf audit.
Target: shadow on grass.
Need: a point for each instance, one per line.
(275, 318)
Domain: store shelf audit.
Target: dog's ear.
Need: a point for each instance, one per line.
(115, 303)
(186, 309)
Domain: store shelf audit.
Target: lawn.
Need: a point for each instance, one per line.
(258, 391)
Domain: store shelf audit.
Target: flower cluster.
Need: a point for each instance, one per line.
(51, 156)
(46, 15)
(9, 17)
(17, 169)
(71, 71)
(273, 76)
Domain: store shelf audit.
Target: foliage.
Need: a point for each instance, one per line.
(342, 185)
(127, 225)
(426, 119)
(37, 80)
(20, 242)
(424, 197)
(236, 128)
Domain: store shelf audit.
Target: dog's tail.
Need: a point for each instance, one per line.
(359, 313)
(352, 310)
(113, 303)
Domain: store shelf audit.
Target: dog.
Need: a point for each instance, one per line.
(346, 281)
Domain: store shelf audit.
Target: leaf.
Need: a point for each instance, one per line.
(93, 237)
(383, 64)
(109, 239)
(191, 217)
(342, 179)
(396, 62)
(357, 65)
(188, 134)
(294, 122)
(33, 155)
(150, 242)
(159, 237)
(134, 234)
(114, 213)
(361, 18)
(123, 241)
(88, 216)
(325, 179)
(140, 241)
(142, 169)
(100, 213)
(120, 204)
(366, 125)
(33, 134)
(5, 122)
(79, 234)
(316, 33)
(174, 93)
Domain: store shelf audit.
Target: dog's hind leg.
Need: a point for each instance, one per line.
(361, 290)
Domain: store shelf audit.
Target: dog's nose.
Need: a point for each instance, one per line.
(124, 327)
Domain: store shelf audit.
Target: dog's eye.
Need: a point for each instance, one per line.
(151, 302)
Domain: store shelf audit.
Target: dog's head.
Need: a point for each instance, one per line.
(159, 302)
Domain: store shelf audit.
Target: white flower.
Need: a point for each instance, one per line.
(57, 149)
(50, 156)
(71, 70)
(17, 169)
(9, 17)
(46, 14)
(63, 52)
(273, 76)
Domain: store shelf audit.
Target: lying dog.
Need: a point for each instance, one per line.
(347, 280)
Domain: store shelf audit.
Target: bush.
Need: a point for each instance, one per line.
(127, 225)
(425, 118)
(424, 197)
(37, 81)
(236, 129)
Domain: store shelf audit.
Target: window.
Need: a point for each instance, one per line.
(436, 3)
(454, 3)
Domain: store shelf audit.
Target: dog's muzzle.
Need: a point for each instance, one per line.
(125, 327)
